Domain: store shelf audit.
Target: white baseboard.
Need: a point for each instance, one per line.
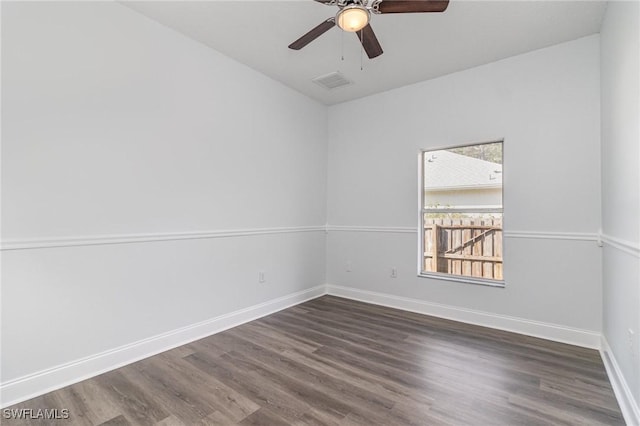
(627, 403)
(27, 387)
(557, 333)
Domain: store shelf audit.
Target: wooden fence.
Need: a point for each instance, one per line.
(468, 247)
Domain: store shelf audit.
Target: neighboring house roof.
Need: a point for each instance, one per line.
(445, 170)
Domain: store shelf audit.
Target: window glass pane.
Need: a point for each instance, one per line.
(464, 177)
(462, 217)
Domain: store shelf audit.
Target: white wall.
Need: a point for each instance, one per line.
(112, 126)
(545, 104)
(620, 58)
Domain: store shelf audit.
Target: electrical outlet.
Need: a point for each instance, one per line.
(261, 278)
(349, 265)
(394, 272)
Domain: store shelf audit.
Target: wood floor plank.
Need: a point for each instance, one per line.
(282, 366)
(173, 397)
(560, 410)
(172, 421)
(388, 388)
(117, 421)
(333, 361)
(87, 400)
(264, 416)
(276, 341)
(214, 419)
(137, 405)
(225, 400)
(251, 385)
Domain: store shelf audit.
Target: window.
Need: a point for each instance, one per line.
(461, 213)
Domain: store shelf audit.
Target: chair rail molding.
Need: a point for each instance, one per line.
(628, 247)
(546, 235)
(91, 240)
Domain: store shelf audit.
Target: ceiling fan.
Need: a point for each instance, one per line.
(354, 16)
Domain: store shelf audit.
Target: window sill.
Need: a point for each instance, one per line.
(463, 279)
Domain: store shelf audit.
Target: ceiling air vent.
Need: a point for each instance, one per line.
(332, 80)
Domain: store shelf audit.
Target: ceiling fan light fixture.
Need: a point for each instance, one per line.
(352, 18)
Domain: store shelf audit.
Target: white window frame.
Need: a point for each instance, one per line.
(422, 210)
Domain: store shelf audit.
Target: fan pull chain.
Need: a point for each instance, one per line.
(361, 50)
(342, 44)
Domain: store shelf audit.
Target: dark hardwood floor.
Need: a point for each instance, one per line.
(333, 361)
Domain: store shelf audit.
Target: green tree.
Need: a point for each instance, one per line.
(488, 151)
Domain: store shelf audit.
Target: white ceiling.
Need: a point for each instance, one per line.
(416, 46)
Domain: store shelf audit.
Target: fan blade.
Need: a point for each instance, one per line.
(369, 42)
(313, 34)
(412, 6)
(327, 2)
